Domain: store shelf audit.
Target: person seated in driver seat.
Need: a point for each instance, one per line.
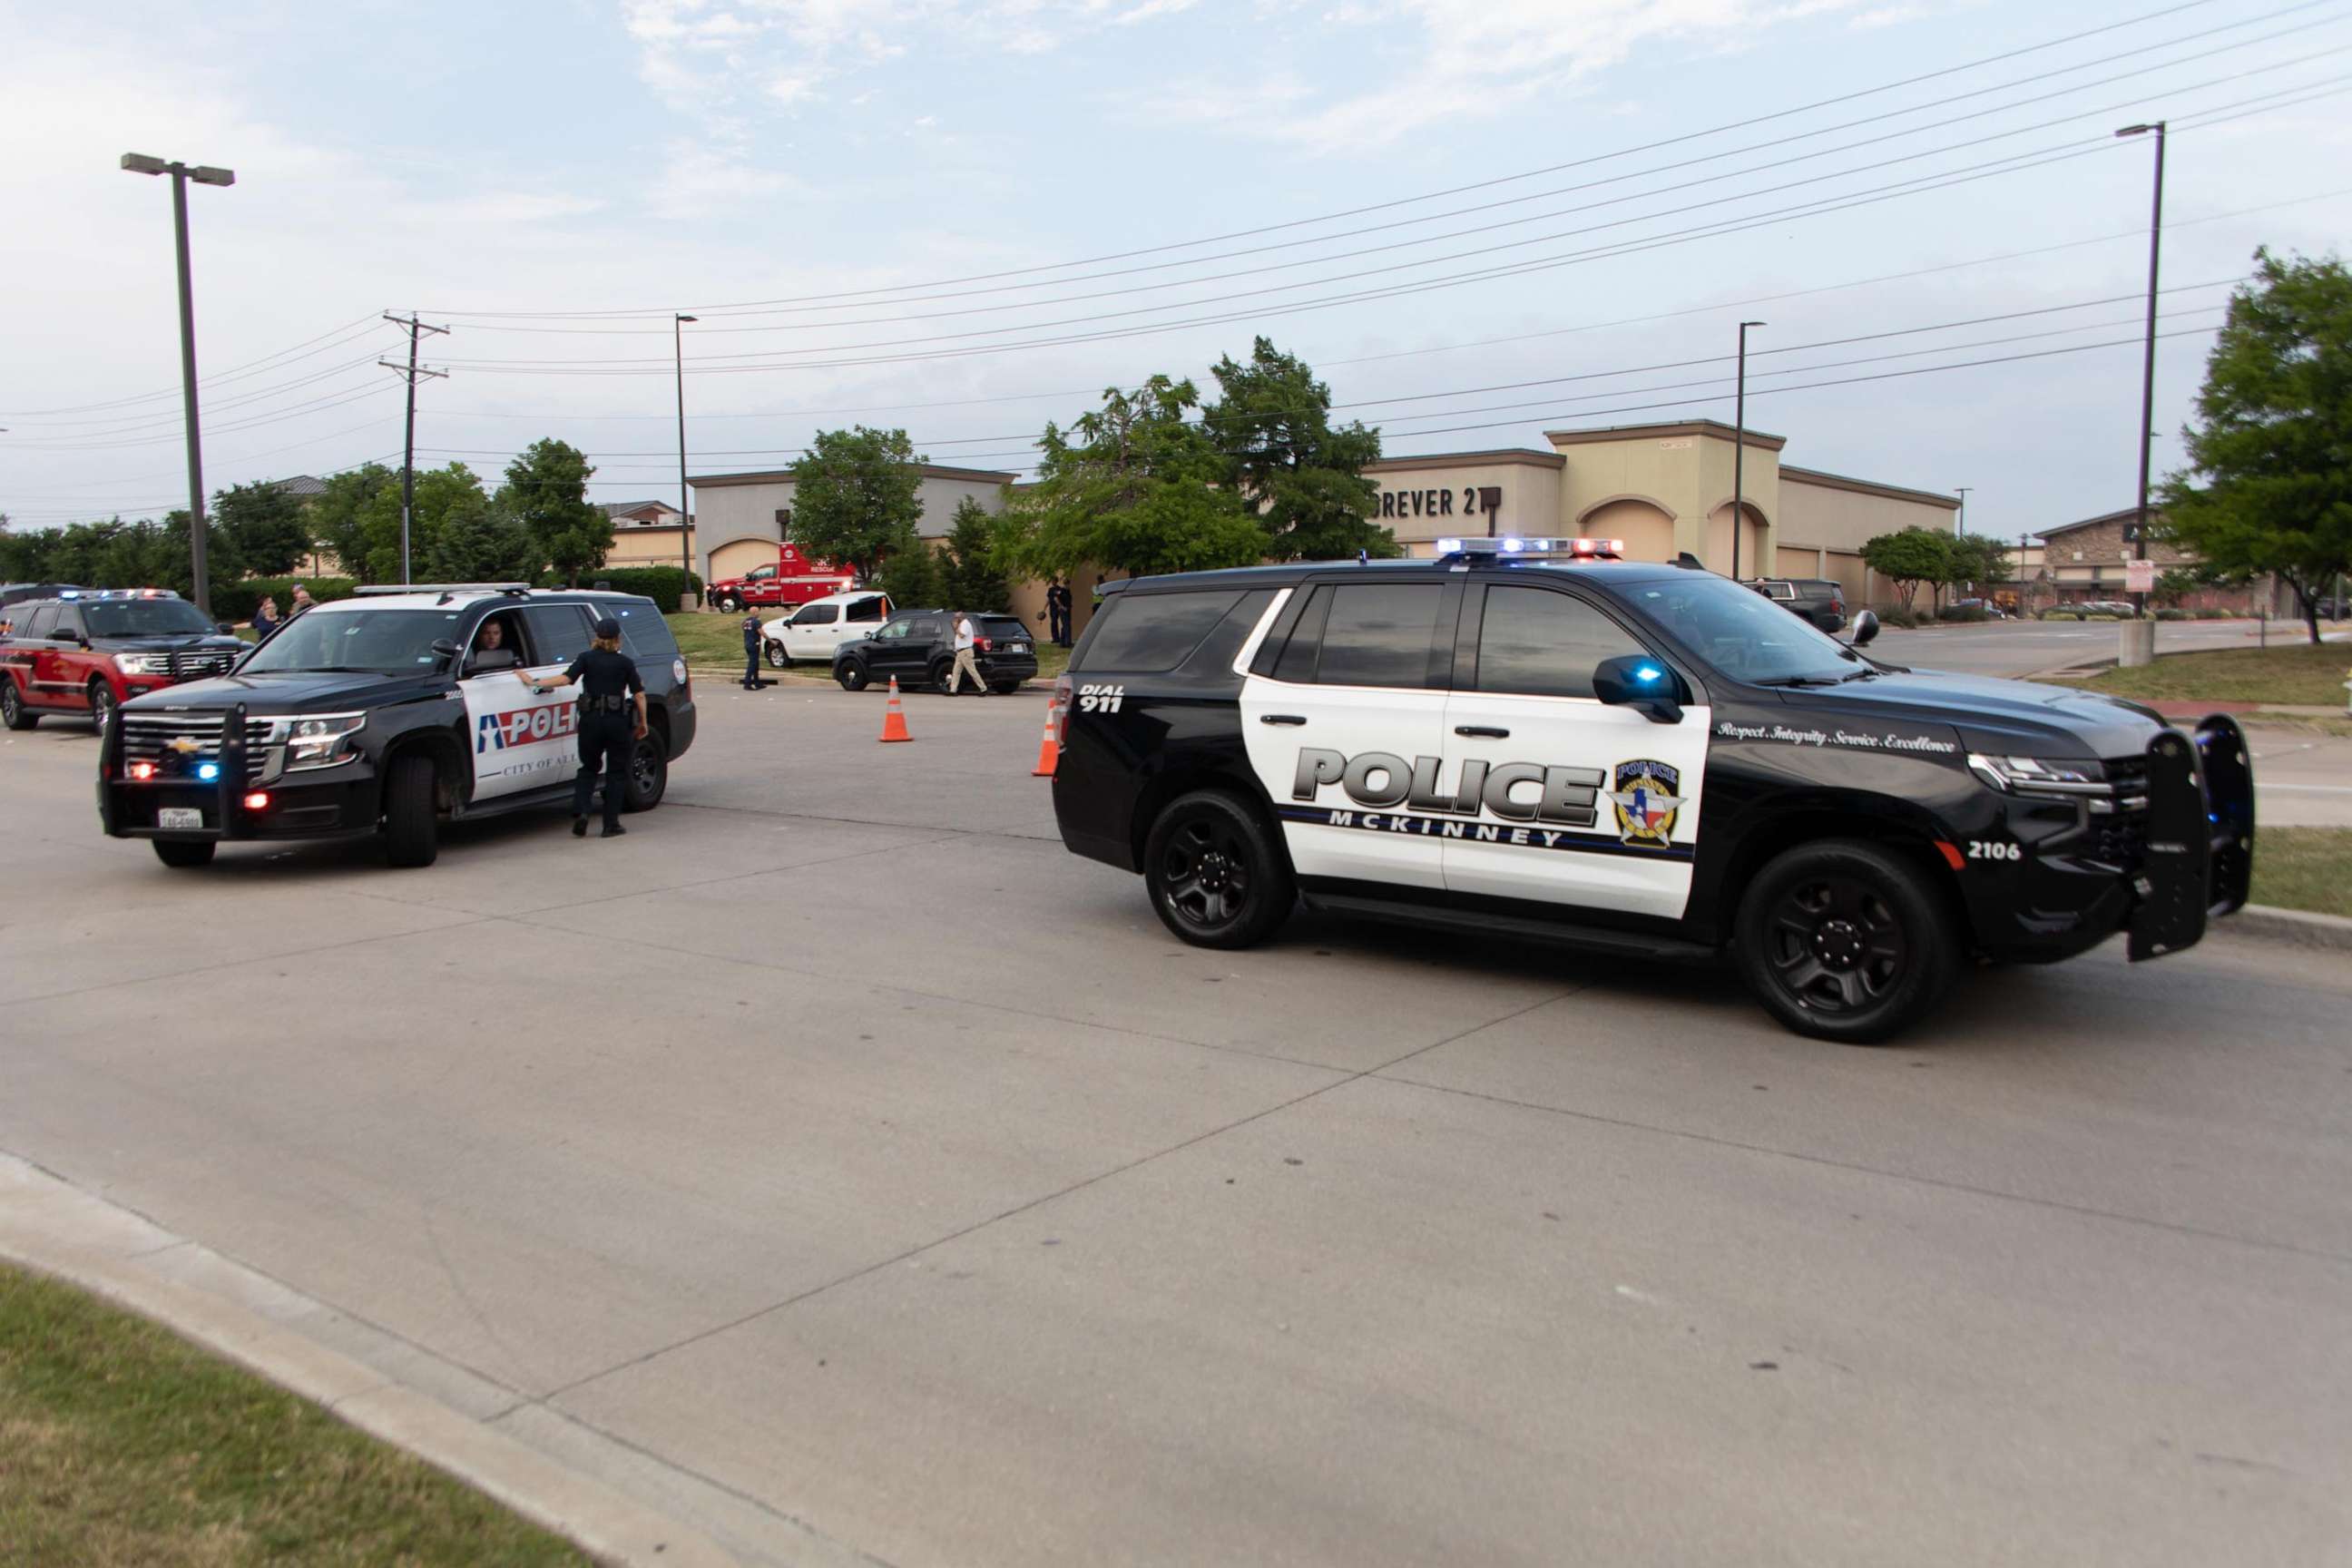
(490, 651)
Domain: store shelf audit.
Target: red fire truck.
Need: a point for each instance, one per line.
(795, 579)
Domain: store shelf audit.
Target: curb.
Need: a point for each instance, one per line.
(55, 1228)
(2326, 934)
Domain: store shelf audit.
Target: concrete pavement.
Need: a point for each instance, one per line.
(839, 1161)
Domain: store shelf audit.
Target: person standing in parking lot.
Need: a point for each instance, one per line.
(751, 682)
(965, 640)
(608, 680)
(1057, 611)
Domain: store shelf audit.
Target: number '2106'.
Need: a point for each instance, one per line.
(1992, 849)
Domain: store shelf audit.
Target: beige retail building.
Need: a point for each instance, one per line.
(1663, 489)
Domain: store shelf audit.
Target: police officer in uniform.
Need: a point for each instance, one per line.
(751, 682)
(609, 683)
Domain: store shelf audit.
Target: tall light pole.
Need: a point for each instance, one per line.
(1960, 523)
(203, 174)
(2148, 359)
(1739, 450)
(685, 520)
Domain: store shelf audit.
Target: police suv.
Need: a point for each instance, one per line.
(1535, 737)
(386, 712)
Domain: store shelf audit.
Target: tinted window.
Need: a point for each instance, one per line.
(866, 610)
(393, 641)
(38, 621)
(1377, 634)
(1218, 649)
(145, 618)
(1542, 644)
(817, 615)
(67, 623)
(557, 632)
(1298, 661)
(644, 633)
(1002, 629)
(1739, 634)
(1149, 632)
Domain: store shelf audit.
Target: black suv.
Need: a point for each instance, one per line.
(1815, 599)
(386, 712)
(918, 648)
(1645, 760)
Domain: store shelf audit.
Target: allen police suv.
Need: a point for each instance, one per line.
(386, 712)
(1535, 737)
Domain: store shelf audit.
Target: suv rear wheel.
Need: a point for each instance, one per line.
(13, 712)
(1217, 876)
(1844, 940)
(409, 830)
(648, 775)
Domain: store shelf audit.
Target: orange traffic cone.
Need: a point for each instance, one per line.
(1049, 753)
(894, 721)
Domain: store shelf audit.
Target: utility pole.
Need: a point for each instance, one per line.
(2147, 390)
(1739, 451)
(685, 520)
(1960, 524)
(412, 372)
(203, 174)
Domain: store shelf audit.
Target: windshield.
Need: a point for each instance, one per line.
(1743, 633)
(394, 642)
(144, 618)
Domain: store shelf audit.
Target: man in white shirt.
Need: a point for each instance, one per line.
(966, 638)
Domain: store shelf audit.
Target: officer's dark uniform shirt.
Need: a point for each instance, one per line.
(604, 674)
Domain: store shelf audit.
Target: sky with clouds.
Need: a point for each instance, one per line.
(1478, 218)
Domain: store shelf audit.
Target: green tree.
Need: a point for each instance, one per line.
(1976, 561)
(2269, 483)
(547, 491)
(973, 581)
(857, 497)
(482, 543)
(1133, 487)
(266, 529)
(1273, 431)
(914, 578)
(1908, 558)
(446, 497)
(339, 517)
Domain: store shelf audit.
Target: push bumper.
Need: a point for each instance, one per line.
(337, 802)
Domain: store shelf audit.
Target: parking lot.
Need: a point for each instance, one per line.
(838, 1162)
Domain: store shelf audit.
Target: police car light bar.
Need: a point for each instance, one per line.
(1515, 547)
(385, 590)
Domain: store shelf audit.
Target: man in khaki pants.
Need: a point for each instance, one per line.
(965, 640)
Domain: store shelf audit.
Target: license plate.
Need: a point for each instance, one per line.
(1016, 647)
(180, 816)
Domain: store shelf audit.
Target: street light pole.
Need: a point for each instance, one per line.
(1739, 450)
(1960, 523)
(685, 520)
(203, 174)
(2147, 358)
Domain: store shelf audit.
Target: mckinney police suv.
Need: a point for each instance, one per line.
(1535, 737)
(385, 713)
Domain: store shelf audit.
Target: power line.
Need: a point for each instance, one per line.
(233, 373)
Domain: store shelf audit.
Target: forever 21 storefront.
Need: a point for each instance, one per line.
(1662, 489)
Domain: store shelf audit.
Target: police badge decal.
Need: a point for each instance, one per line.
(1644, 799)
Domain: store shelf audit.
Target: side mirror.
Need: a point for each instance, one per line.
(224, 628)
(1865, 628)
(445, 649)
(1642, 683)
(73, 638)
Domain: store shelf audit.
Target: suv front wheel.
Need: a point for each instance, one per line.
(851, 674)
(777, 657)
(1844, 940)
(1217, 876)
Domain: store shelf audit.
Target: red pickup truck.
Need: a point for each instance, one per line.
(794, 580)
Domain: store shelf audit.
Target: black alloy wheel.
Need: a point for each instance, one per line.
(1216, 877)
(852, 675)
(1844, 941)
(648, 774)
(13, 711)
(102, 704)
(942, 672)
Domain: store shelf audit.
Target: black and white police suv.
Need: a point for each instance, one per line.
(386, 712)
(1534, 737)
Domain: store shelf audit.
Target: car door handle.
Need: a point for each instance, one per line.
(1482, 731)
(1282, 719)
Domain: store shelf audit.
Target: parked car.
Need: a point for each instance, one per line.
(2083, 609)
(1817, 600)
(918, 648)
(87, 651)
(1966, 609)
(817, 629)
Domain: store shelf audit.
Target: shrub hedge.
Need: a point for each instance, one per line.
(1897, 615)
(662, 585)
(235, 601)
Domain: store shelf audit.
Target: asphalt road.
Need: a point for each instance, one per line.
(838, 1160)
(2031, 647)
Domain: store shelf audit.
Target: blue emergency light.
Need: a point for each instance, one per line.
(207, 772)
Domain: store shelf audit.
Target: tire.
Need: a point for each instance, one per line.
(942, 673)
(1217, 876)
(102, 704)
(729, 603)
(410, 835)
(1004, 687)
(183, 854)
(852, 675)
(1844, 940)
(648, 774)
(777, 657)
(13, 711)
